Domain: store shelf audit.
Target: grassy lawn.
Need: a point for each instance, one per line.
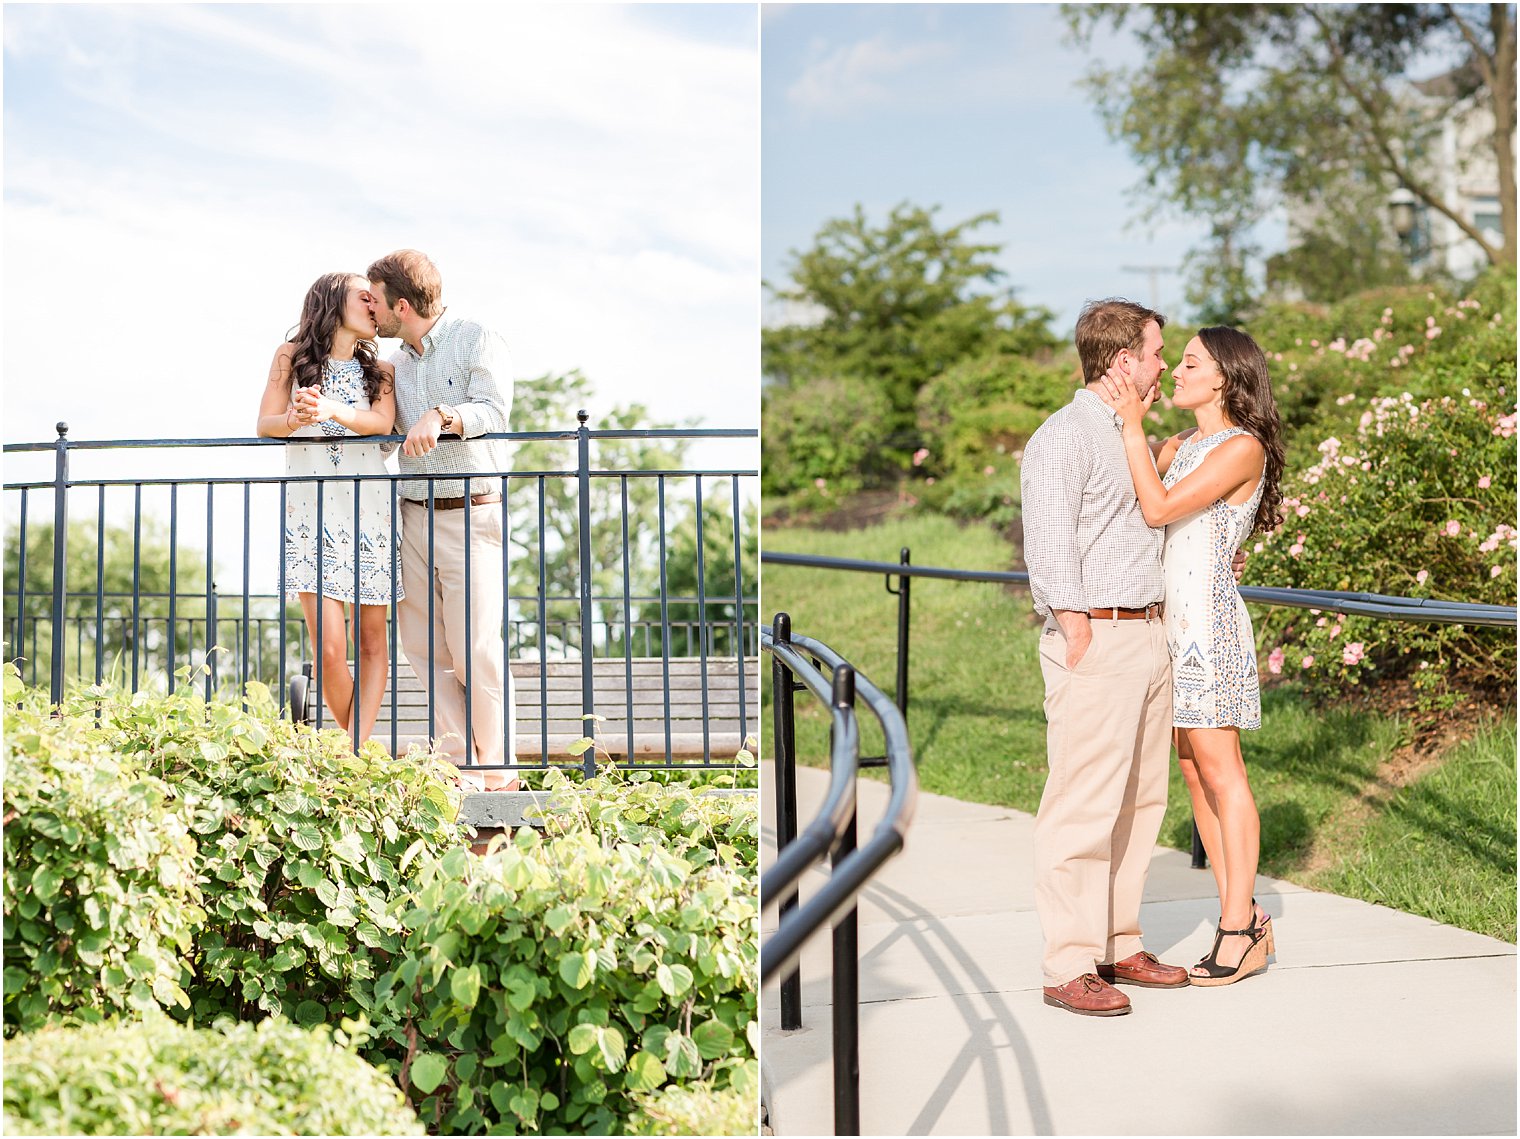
(1444, 846)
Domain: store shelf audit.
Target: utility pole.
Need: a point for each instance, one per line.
(1153, 272)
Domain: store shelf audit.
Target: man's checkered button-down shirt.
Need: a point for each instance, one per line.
(1086, 543)
(466, 367)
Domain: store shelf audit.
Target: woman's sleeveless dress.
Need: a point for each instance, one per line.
(342, 380)
(1214, 680)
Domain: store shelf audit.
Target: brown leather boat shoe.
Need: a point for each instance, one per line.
(1089, 995)
(1143, 970)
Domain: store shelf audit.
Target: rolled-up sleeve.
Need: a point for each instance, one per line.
(488, 386)
(1055, 469)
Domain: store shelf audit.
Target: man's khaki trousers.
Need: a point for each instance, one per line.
(1108, 741)
(441, 666)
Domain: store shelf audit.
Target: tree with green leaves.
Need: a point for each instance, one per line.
(1234, 108)
(895, 305)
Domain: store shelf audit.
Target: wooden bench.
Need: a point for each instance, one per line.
(548, 707)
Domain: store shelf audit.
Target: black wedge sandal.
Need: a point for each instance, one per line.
(1255, 957)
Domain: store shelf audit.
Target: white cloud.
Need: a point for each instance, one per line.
(856, 75)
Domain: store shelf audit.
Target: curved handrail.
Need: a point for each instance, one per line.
(849, 877)
(823, 833)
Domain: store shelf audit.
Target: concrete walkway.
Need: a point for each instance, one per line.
(1368, 1021)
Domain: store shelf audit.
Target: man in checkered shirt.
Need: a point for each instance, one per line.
(452, 377)
(1095, 576)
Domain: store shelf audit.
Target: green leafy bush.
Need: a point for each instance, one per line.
(300, 847)
(696, 1109)
(616, 806)
(1418, 502)
(822, 438)
(155, 1077)
(101, 898)
(204, 858)
(550, 984)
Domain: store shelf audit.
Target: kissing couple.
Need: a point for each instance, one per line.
(452, 377)
(1133, 556)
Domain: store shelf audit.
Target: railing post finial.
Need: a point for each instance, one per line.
(581, 416)
(844, 687)
(781, 628)
(62, 428)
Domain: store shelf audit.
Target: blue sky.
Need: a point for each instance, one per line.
(969, 107)
(176, 176)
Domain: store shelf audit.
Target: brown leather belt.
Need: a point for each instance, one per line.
(458, 503)
(1154, 610)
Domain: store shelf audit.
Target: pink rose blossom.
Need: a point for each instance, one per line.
(1453, 528)
(1485, 482)
(1494, 571)
(1335, 630)
(919, 456)
(1308, 662)
(989, 469)
(1322, 622)
(1275, 661)
(1421, 576)
(1303, 512)
(1353, 653)
(1295, 550)
(820, 483)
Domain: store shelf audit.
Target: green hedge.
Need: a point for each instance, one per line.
(550, 984)
(101, 897)
(155, 1077)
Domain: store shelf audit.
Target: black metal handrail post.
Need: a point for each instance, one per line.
(784, 690)
(846, 963)
(904, 595)
(60, 556)
(588, 685)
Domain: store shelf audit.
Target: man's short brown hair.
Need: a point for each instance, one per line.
(410, 276)
(1106, 328)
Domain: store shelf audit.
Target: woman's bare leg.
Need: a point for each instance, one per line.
(337, 681)
(374, 668)
(1222, 771)
(1205, 815)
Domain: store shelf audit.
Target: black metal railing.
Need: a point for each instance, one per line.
(831, 834)
(164, 608)
(1416, 609)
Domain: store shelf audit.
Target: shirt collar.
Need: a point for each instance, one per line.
(1095, 406)
(432, 336)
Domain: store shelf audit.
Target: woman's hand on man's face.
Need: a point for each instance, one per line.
(1118, 391)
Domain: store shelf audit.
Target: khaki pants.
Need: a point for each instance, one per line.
(1108, 741)
(455, 641)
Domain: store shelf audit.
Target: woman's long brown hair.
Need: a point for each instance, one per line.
(321, 315)
(1248, 401)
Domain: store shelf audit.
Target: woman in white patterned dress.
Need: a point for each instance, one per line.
(1212, 487)
(326, 383)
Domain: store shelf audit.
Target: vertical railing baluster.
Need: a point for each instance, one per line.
(18, 646)
(100, 588)
(543, 632)
(846, 961)
(702, 622)
(395, 664)
(60, 555)
(588, 670)
(784, 750)
(739, 616)
(282, 694)
(210, 660)
(471, 758)
(664, 620)
(358, 547)
(509, 695)
(320, 637)
(627, 619)
(243, 670)
(173, 579)
(137, 629)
